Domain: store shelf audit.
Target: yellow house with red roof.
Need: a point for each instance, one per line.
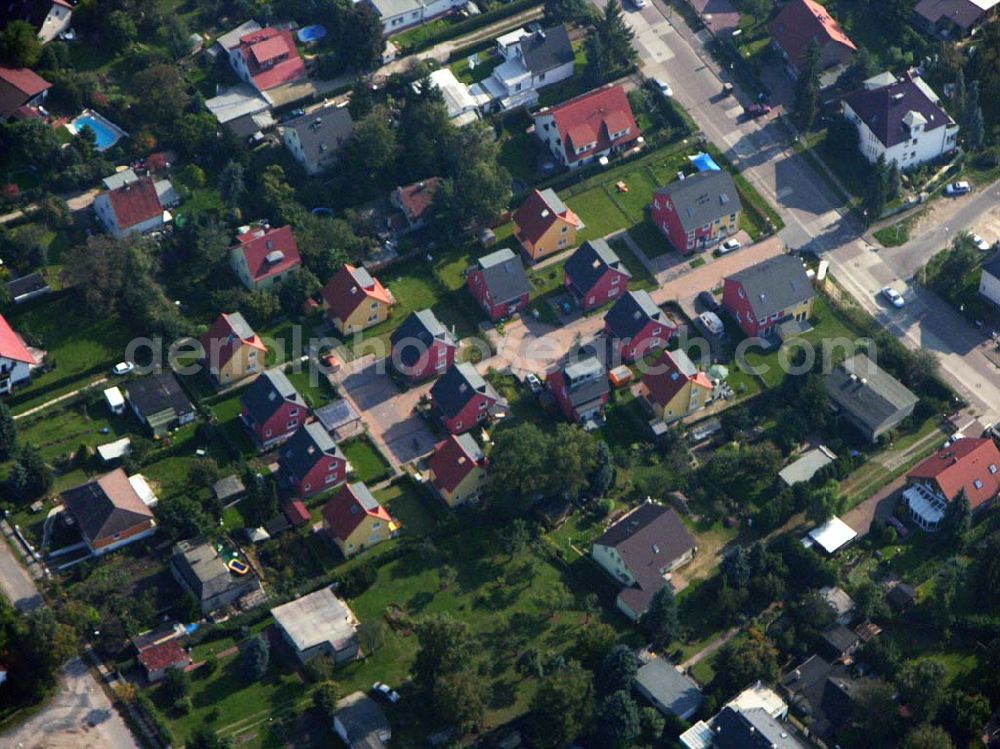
(355, 300)
(232, 349)
(674, 387)
(356, 521)
(545, 225)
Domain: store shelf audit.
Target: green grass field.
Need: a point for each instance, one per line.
(365, 459)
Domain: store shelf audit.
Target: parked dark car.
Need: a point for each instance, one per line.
(757, 110)
(707, 300)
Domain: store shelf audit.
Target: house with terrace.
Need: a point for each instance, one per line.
(397, 15)
(902, 121)
(799, 24)
(22, 92)
(354, 520)
(199, 569)
(532, 60)
(698, 211)
(109, 511)
(581, 391)
(311, 462)
(272, 409)
(461, 399)
(754, 719)
(635, 325)
(499, 284)
(595, 275)
(263, 257)
(16, 361)
(968, 466)
(639, 552)
(422, 347)
(868, 397)
(355, 300)
(458, 470)
(267, 58)
(133, 208)
(587, 127)
(674, 387)
(315, 138)
(159, 402)
(544, 225)
(232, 349)
(765, 296)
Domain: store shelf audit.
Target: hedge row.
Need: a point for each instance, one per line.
(472, 24)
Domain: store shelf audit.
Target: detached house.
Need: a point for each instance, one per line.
(989, 280)
(198, 568)
(355, 520)
(640, 551)
(397, 15)
(49, 17)
(272, 408)
(544, 225)
(315, 138)
(801, 22)
(355, 300)
(635, 325)
(414, 202)
(109, 511)
(902, 121)
(16, 361)
(595, 275)
(421, 347)
(967, 466)
(22, 91)
(698, 211)
(267, 59)
(868, 397)
(311, 461)
(498, 283)
(768, 294)
(582, 130)
(232, 349)
(159, 402)
(952, 19)
(263, 257)
(581, 389)
(318, 624)
(457, 470)
(133, 208)
(462, 399)
(674, 387)
(531, 61)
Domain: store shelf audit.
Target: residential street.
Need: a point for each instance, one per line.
(15, 582)
(811, 213)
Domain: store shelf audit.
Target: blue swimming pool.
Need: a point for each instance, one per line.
(107, 134)
(311, 33)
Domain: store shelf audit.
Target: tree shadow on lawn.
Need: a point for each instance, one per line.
(419, 601)
(503, 693)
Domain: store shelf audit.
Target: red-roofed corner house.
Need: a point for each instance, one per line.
(969, 466)
(545, 225)
(264, 257)
(674, 387)
(159, 658)
(15, 359)
(133, 208)
(581, 130)
(267, 59)
(21, 91)
(355, 300)
(355, 520)
(457, 470)
(232, 349)
(798, 24)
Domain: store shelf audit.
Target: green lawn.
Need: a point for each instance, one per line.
(650, 239)
(641, 279)
(417, 511)
(598, 212)
(368, 464)
(484, 67)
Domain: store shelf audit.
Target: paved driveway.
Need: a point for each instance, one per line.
(400, 433)
(80, 716)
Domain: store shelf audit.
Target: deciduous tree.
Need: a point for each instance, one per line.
(561, 708)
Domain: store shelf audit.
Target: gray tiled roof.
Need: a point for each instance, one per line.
(158, 392)
(240, 326)
(458, 386)
(590, 261)
(775, 285)
(422, 326)
(258, 397)
(308, 445)
(546, 49)
(873, 396)
(751, 729)
(702, 198)
(503, 273)
(630, 314)
(660, 681)
(992, 266)
(322, 131)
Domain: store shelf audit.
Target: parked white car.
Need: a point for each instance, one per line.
(384, 690)
(981, 244)
(893, 297)
(122, 368)
(639, 4)
(730, 245)
(664, 87)
(957, 188)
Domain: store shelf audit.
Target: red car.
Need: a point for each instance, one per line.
(757, 110)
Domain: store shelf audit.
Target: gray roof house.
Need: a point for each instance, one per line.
(751, 729)
(588, 264)
(503, 274)
(633, 312)
(360, 722)
(667, 689)
(318, 624)
(27, 287)
(159, 402)
(823, 692)
(770, 288)
(872, 400)
(315, 138)
(640, 551)
(198, 568)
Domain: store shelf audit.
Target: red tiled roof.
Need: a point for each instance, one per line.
(451, 464)
(537, 214)
(416, 198)
(668, 377)
(972, 465)
(25, 80)
(135, 202)
(229, 339)
(349, 287)
(297, 513)
(268, 44)
(164, 655)
(258, 243)
(800, 22)
(348, 508)
(11, 345)
(591, 118)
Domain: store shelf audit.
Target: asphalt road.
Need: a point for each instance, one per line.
(668, 49)
(15, 582)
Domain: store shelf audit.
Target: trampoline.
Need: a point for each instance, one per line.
(310, 34)
(704, 163)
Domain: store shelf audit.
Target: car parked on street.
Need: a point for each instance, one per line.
(122, 368)
(663, 87)
(893, 297)
(957, 188)
(981, 244)
(730, 245)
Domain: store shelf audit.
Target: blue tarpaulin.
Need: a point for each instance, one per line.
(704, 163)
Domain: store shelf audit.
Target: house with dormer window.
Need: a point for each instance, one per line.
(272, 409)
(966, 466)
(585, 128)
(698, 211)
(355, 300)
